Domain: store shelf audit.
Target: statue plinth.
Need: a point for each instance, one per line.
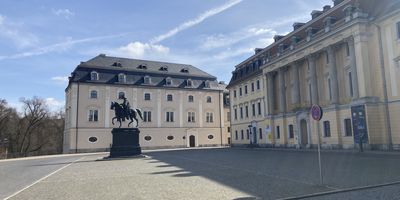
(125, 142)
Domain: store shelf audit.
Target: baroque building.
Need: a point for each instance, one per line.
(345, 59)
(182, 106)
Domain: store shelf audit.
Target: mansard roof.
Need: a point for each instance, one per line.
(108, 69)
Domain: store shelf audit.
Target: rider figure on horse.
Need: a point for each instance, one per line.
(125, 105)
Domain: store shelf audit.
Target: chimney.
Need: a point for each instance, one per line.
(336, 2)
(102, 55)
(257, 50)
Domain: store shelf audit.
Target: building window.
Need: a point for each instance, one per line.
(147, 80)
(147, 97)
(236, 135)
(240, 91)
(234, 93)
(327, 129)
(278, 132)
(228, 129)
(253, 109)
(235, 113)
(327, 57)
(93, 94)
(245, 89)
(190, 98)
(210, 137)
(121, 78)
(170, 137)
(291, 133)
(247, 111)
(252, 86)
(94, 76)
(169, 116)
(347, 49)
(93, 115)
(169, 97)
(228, 116)
(347, 126)
(92, 139)
(191, 117)
(247, 134)
(189, 83)
(147, 138)
(208, 99)
(209, 117)
(329, 89)
(147, 116)
(398, 30)
(260, 132)
(241, 112)
(258, 84)
(168, 81)
(241, 134)
(350, 84)
(121, 95)
(259, 108)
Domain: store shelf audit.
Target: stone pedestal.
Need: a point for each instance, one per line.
(125, 142)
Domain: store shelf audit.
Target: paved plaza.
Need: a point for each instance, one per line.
(220, 173)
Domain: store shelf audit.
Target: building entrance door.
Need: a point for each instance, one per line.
(303, 132)
(192, 141)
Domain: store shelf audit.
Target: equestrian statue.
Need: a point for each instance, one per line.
(124, 111)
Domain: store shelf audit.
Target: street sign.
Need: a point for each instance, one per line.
(316, 112)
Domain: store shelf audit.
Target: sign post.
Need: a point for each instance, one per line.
(316, 113)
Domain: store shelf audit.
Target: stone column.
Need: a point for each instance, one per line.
(354, 80)
(313, 78)
(282, 91)
(270, 92)
(296, 84)
(333, 74)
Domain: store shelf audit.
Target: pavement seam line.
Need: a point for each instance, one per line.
(41, 179)
(341, 191)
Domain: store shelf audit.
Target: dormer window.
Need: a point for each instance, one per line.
(121, 78)
(328, 22)
(168, 81)
(207, 84)
(117, 64)
(94, 76)
(146, 80)
(164, 68)
(185, 70)
(142, 66)
(310, 33)
(189, 83)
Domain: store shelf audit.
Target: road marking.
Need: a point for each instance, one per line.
(19, 191)
(341, 191)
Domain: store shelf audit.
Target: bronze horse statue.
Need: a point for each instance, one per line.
(121, 114)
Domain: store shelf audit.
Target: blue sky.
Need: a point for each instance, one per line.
(42, 41)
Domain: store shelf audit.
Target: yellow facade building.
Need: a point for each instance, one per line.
(345, 59)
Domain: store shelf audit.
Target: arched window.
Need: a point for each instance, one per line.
(94, 76)
(208, 99)
(121, 95)
(93, 94)
(146, 80)
(189, 83)
(121, 78)
(168, 81)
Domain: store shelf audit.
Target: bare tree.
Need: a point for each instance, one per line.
(28, 135)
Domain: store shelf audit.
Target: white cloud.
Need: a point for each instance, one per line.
(142, 50)
(195, 21)
(66, 13)
(15, 33)
(58, 47)
(54, 104)
(60, 79)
